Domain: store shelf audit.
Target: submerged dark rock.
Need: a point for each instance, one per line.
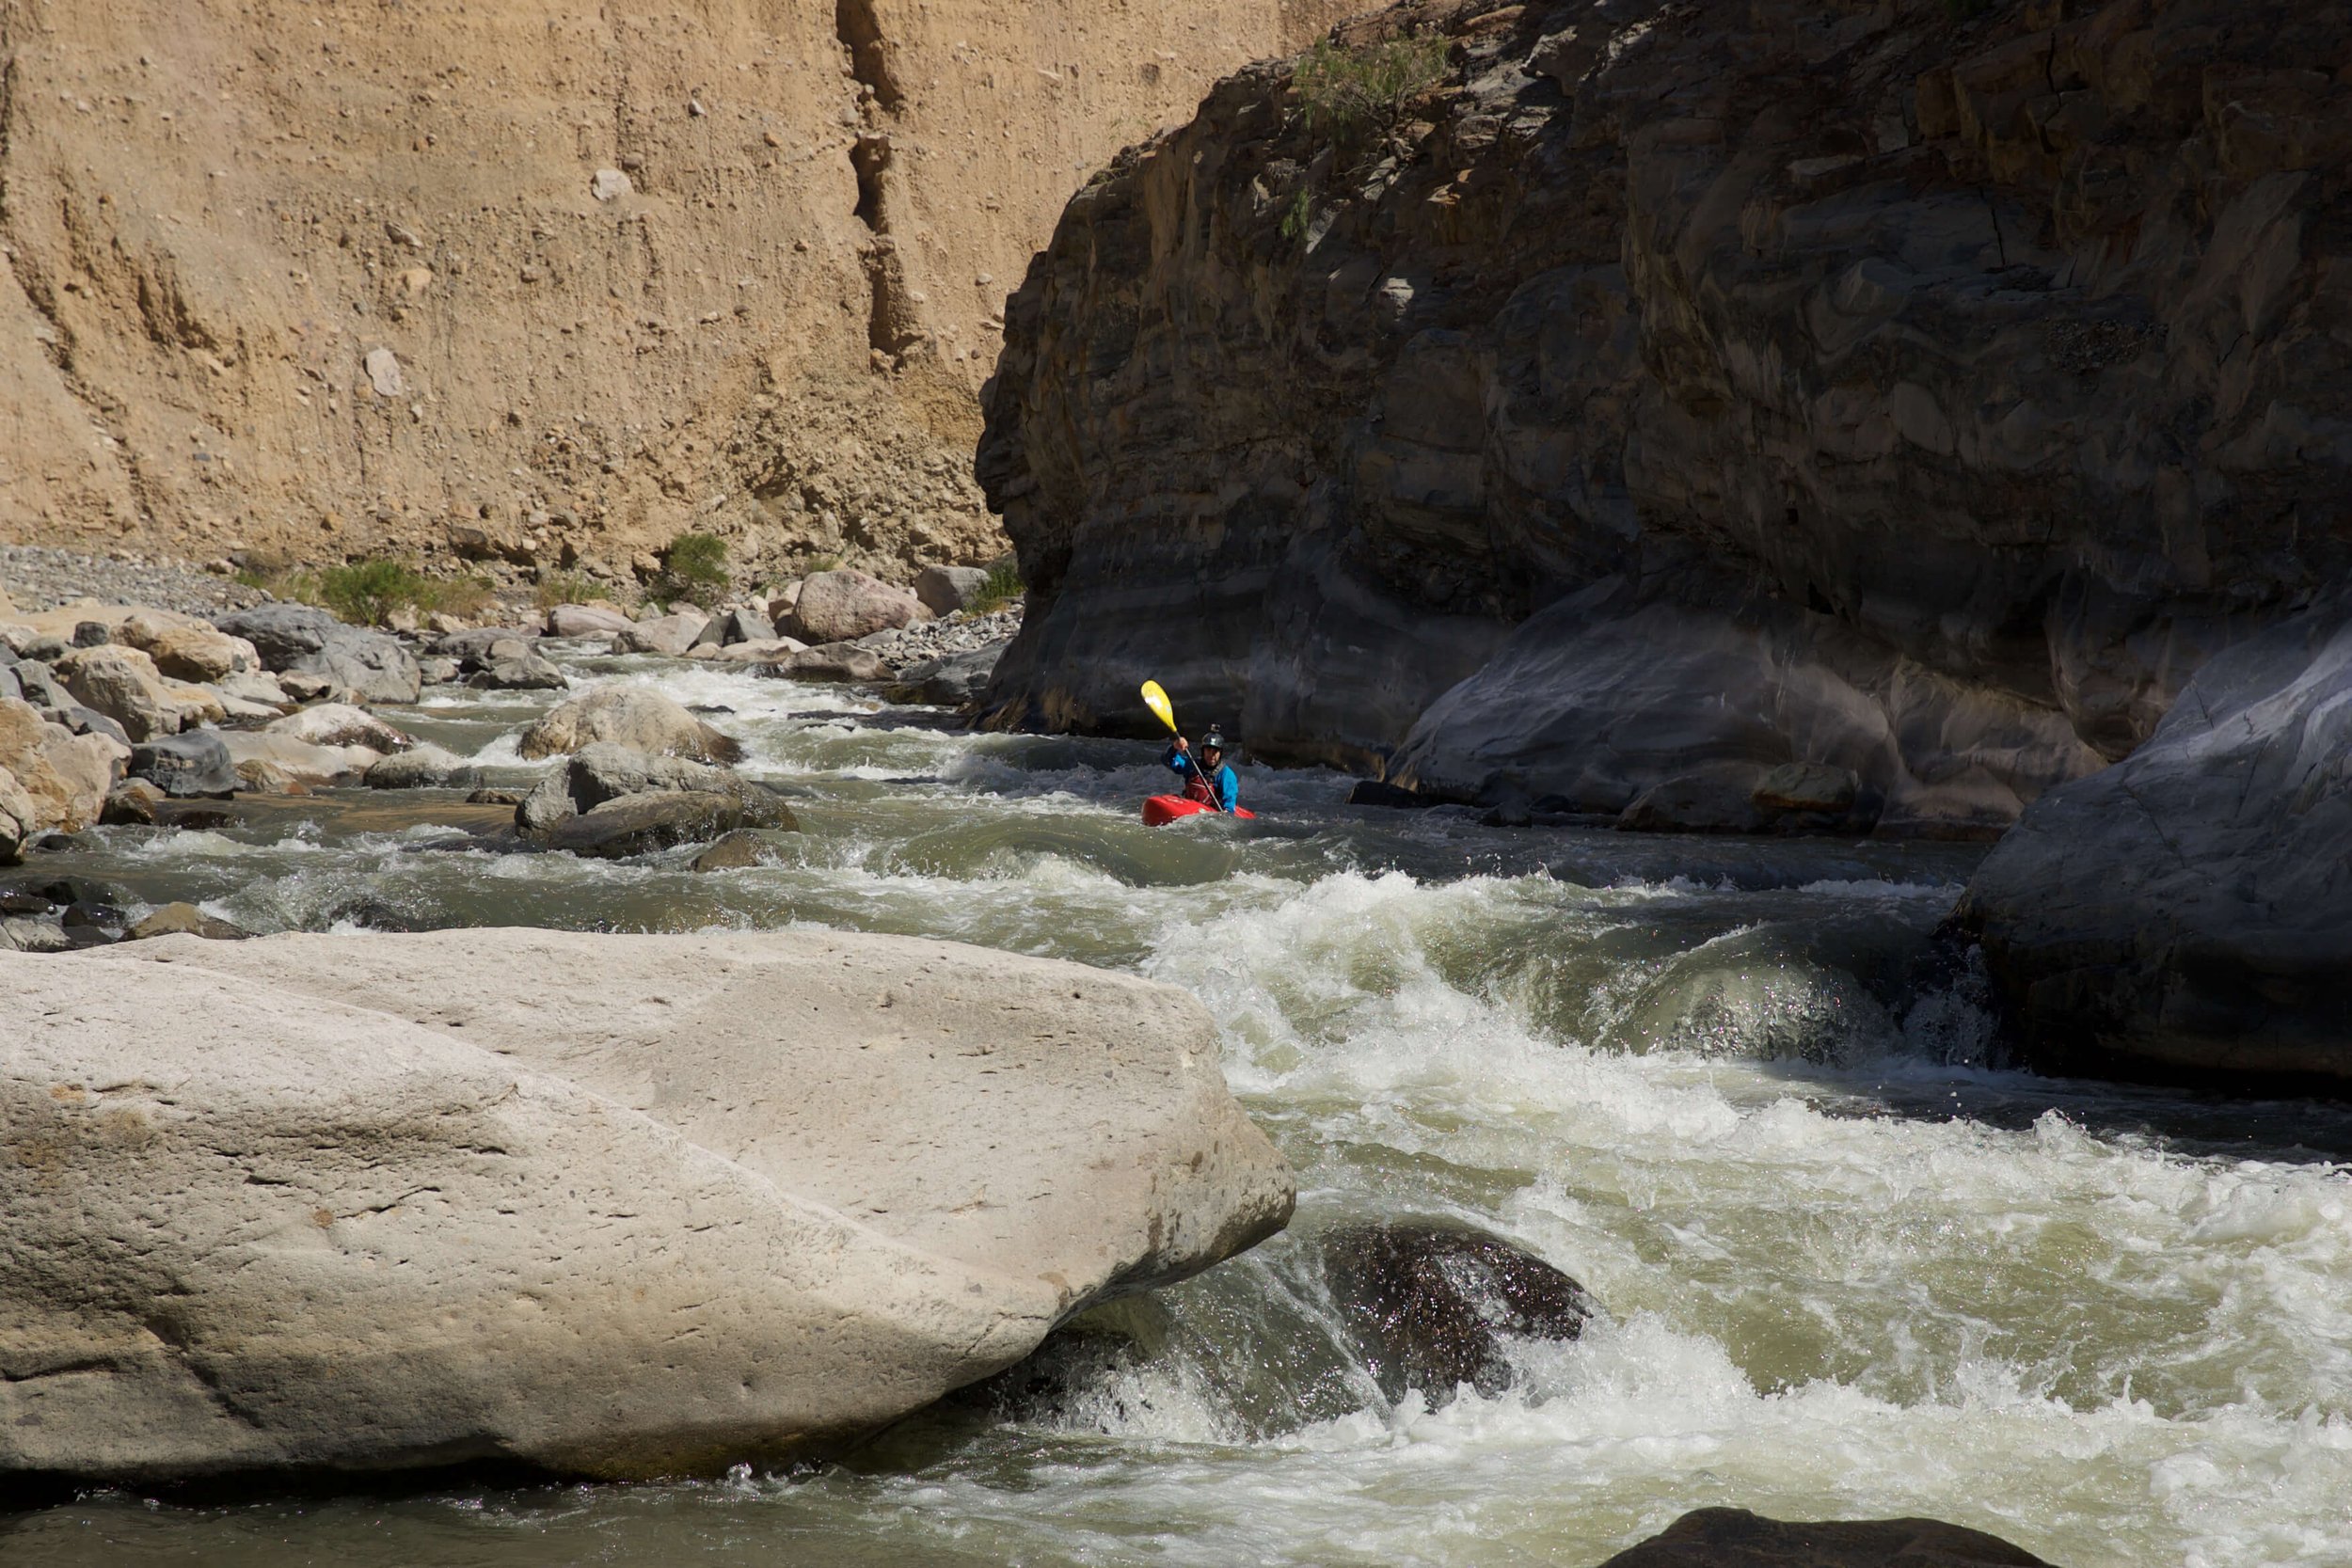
(1431, 1307)
(190, 765)
(1735, 1538)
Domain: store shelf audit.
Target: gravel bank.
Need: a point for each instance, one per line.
(40, 579)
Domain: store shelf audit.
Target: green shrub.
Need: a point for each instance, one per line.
(1003, 588)
(365, 592)
(694, 567)
(562, 588)
(1350, 97)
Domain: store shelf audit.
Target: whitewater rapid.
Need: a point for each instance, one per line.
(1848, 1265)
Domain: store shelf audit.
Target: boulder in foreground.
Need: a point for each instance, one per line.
(2187, 913)
(611, 1206)
(1735, 1538)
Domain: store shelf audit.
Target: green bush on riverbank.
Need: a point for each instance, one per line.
(366, 592)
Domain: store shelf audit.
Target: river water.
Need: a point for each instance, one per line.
(1847, 1266)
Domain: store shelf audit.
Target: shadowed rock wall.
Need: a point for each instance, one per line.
(1917, 396)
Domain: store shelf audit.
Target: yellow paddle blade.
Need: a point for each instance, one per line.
(1156, 700)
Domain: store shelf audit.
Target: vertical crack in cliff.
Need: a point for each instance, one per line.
(891, 324)
(858, 26)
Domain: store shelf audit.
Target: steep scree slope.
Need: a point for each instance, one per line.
(1684, 392)
(315, 279)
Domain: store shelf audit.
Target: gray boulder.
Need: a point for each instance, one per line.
(2186, 912)
(603, 775)
(949, 682)
(843, 605)
(524, 671)
(302, 640)
(945, 589)
(425, 766)
(670, 635)
(195, 764)
(728, 628)
(887, 1169)
(634, 716)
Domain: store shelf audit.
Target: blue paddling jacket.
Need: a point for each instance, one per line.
(1224, 789)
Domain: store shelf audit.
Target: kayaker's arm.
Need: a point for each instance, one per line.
(1228, 791)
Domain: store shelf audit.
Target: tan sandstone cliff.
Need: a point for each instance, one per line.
(310, 280)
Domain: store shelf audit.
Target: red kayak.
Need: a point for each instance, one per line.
(1160, 810)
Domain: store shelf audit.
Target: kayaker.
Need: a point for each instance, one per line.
(1207, 778)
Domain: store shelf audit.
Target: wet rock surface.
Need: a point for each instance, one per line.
(1434, 1307)
(1735, 1538)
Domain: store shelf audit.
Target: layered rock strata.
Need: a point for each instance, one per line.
(606, 1205)
(1677, 393)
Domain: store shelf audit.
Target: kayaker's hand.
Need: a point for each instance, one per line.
(1185, 746)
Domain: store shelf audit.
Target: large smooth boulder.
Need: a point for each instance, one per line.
(186, 648)
(634, 716)
(670, 635)
(425, 766)
(587, 620)
(519, 669)
(271, 764)
(1735, 1538)
(844, 605)
(124, 684)
(64, 777)
(382, 1201)
(192, 766)
(2187, 913)
(301, 639)
(603, 774)
(945, 589)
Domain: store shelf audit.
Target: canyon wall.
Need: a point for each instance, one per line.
(538, 283)
(1733, 416)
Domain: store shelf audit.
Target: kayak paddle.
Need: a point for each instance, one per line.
(1156, 700)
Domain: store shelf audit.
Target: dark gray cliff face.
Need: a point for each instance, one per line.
(1845, 386)
(2187, 913)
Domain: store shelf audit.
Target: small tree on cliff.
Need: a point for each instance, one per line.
(1351, 99)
